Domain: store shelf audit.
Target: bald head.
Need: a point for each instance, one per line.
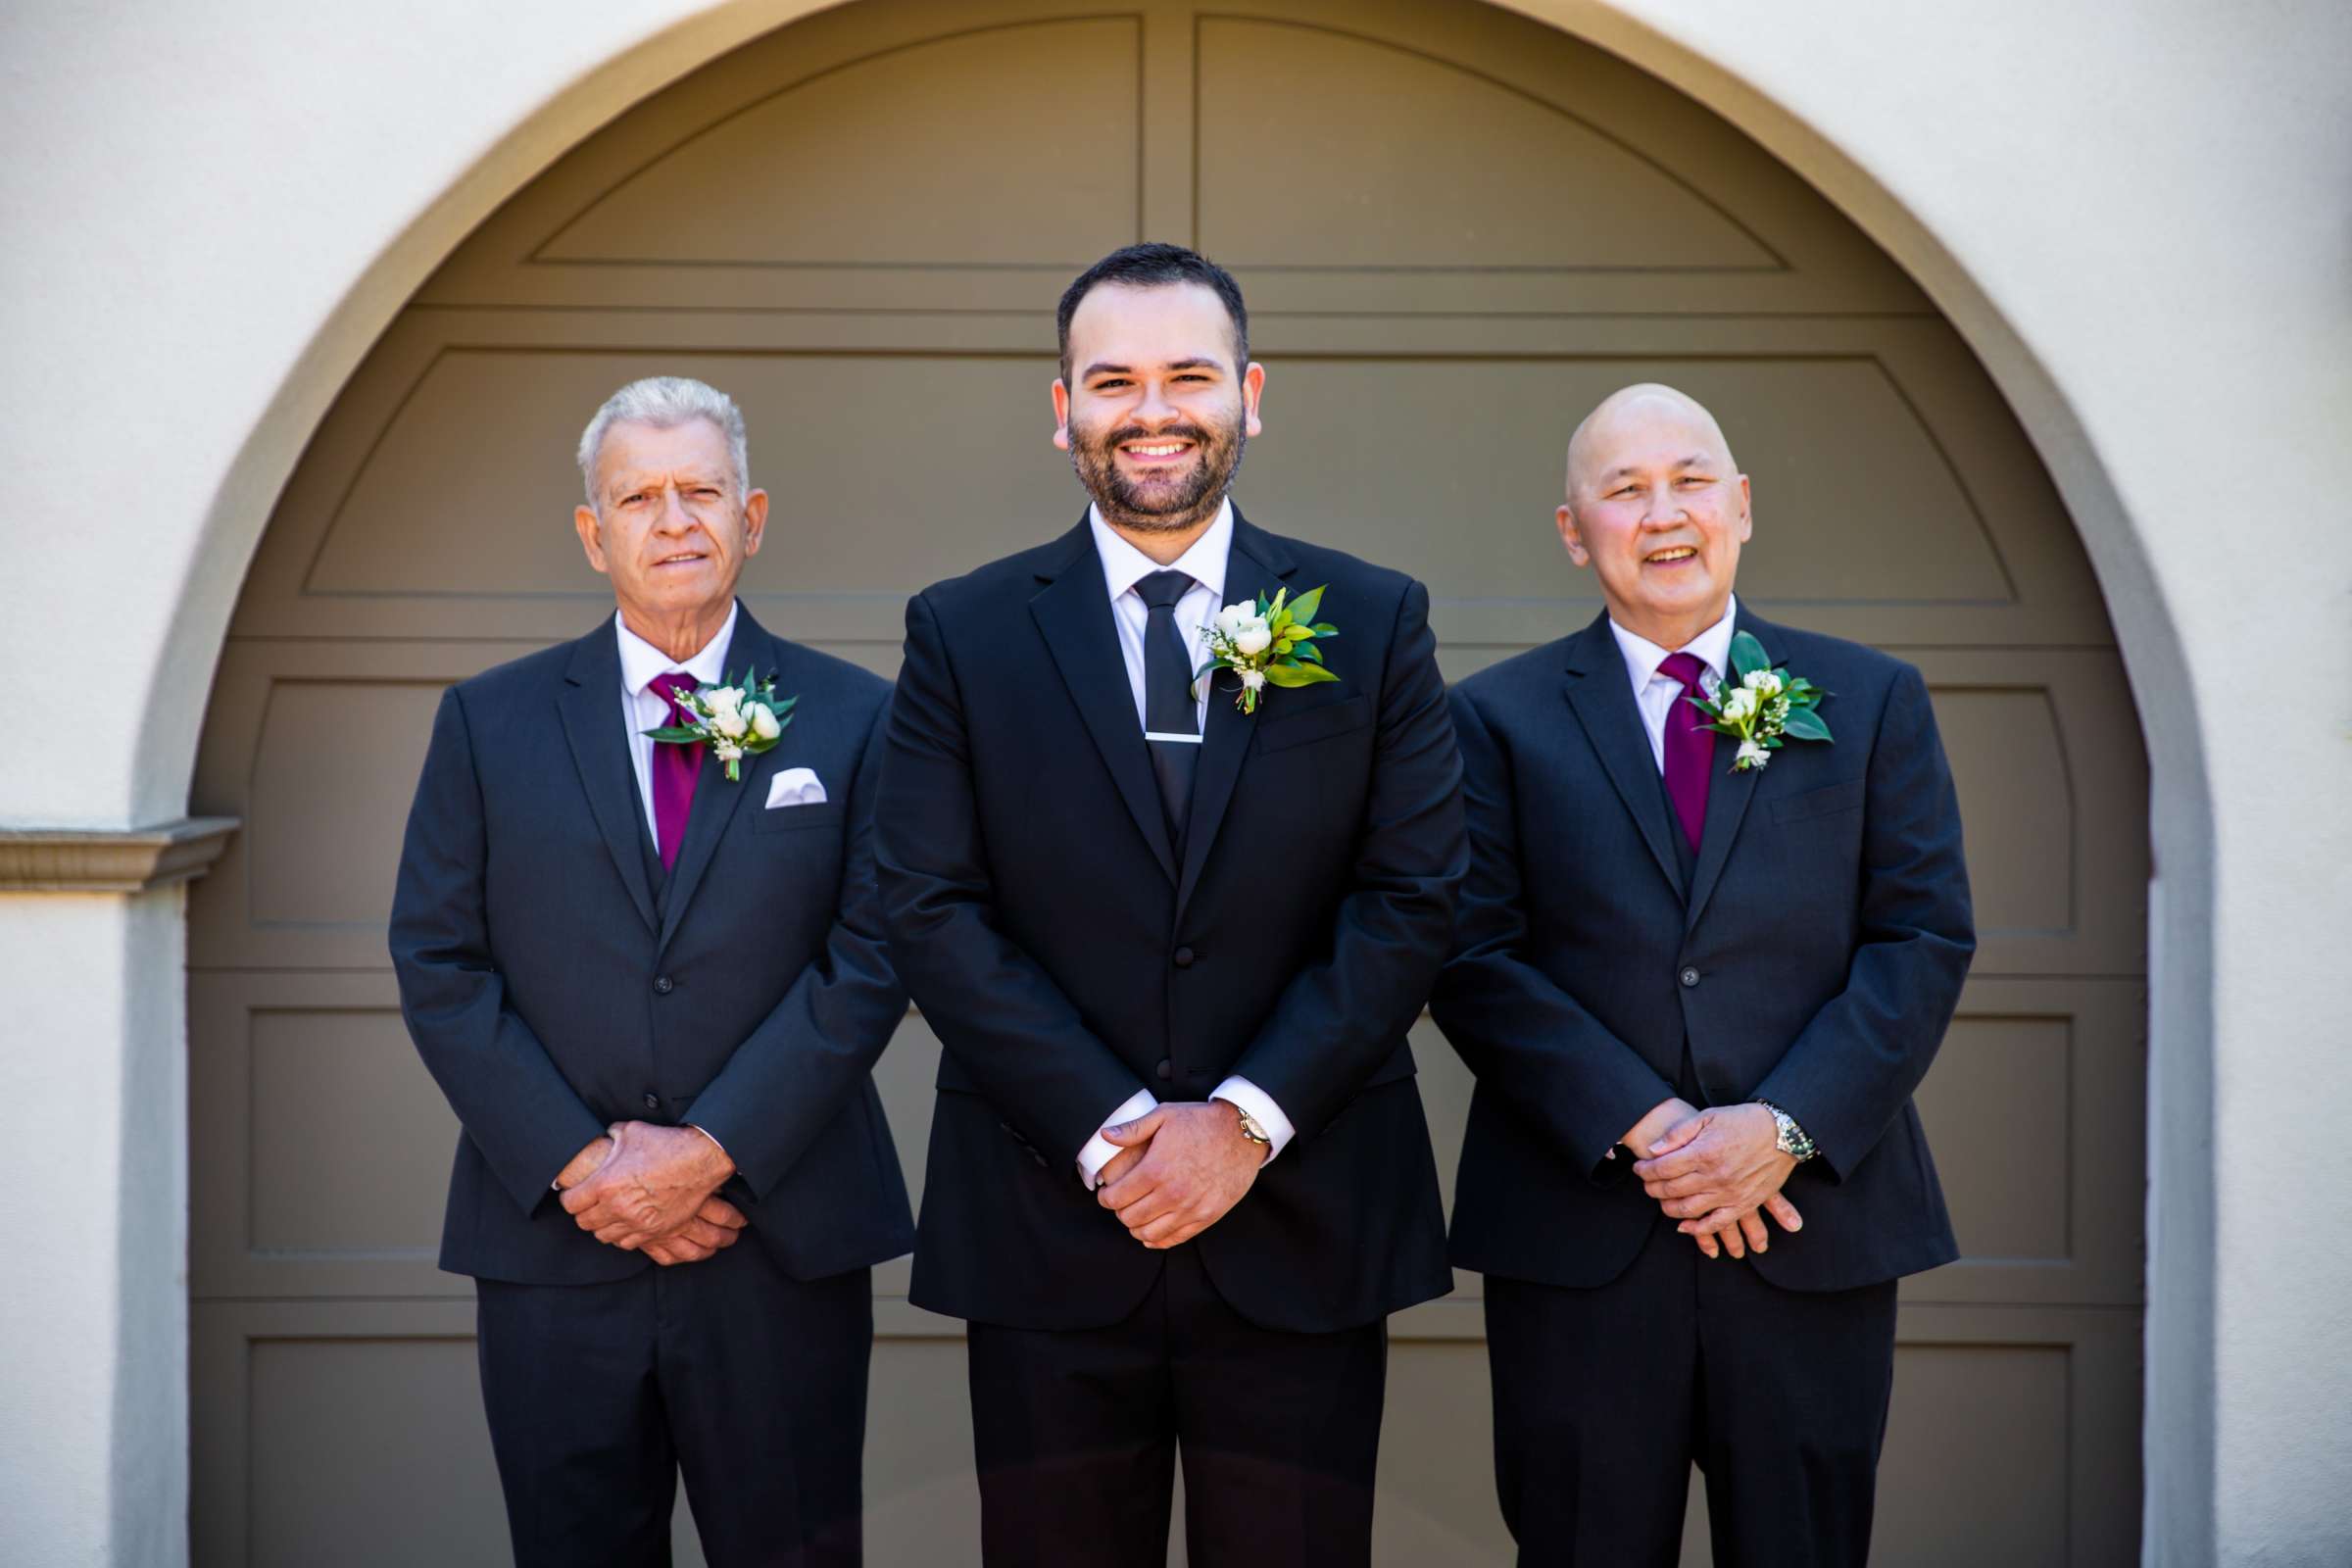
(1638, 416)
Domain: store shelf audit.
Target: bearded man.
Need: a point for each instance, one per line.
(1171, 935)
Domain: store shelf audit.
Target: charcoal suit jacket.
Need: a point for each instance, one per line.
(1810, 954)
(1067, 953)
(556, 979)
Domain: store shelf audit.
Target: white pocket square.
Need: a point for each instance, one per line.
(795, 786)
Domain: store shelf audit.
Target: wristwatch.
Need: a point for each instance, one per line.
(1252, 1128)
(1793, 1140)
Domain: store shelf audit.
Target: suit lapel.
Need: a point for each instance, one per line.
(1602, 699)
(1255, 562)
(1073, 614)
(590, 706)
(715, 799)
(1728, 797)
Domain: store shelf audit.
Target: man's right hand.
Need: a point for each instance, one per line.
(1662, 1118)
(1746, 1233)
(715, 1226)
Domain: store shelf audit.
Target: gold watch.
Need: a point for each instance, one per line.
(1252, 1128)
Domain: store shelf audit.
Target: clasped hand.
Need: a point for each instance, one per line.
(1717, 1171)
(650, 1188)
(1179, 1170)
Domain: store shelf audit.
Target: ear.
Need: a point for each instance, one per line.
(1254, 389)
(754, 521)
(1747, 520)
(1062, 414)
(1565, 519)
(583, 521)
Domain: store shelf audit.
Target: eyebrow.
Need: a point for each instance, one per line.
(1105, 367)
(1697, 460)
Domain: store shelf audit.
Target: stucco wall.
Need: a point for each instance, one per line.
(2140, 216)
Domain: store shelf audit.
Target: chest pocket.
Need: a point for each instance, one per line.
(1827, 801)
(799, 818)
(1315, 724)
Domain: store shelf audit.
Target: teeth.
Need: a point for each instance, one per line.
(1157, 452)
(1681, 553)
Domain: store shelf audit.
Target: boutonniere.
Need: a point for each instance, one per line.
(1764, 708)
(736, 719)
(1268, 642)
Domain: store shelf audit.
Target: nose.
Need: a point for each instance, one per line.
(1660, 509)
(673, 517)
(1155, 407)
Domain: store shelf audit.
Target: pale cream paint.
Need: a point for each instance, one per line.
(2140, 221)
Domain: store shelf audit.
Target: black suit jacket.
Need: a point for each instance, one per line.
(1812, 957)
(555, 982)
(1066, 956)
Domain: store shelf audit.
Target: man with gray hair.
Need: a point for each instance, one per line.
(637, 946)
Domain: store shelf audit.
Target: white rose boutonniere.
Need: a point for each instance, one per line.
(736, 719)
(1764, 708)
(1268, 642)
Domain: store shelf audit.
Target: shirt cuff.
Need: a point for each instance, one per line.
(1099, 1149)
(1239, 1091)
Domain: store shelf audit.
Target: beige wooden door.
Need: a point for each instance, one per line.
(1457, 229)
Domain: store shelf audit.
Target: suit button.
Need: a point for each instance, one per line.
(665, 984)
(1165, 1070)
(653, 1102)
(1690, 977)
(1184, 958)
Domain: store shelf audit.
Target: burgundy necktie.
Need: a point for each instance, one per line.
(675, 769)
(1690, 748)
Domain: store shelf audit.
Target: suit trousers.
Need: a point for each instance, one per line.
(1604, 1398)
(750, 1382)
(1077, 1434)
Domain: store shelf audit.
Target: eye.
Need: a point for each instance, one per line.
(632, 498)
(1693, 479)
(1107, 385)
(706, 491)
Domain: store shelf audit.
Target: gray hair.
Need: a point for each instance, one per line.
(666, 402)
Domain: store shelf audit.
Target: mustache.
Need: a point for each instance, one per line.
(1135, 433)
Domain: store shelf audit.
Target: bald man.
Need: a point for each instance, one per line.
(1697, 993)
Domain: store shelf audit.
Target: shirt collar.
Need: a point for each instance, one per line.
(1124, 565)
(641, 660)
(1711, 648)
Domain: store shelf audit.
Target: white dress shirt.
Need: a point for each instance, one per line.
(1123, 567)
(642, 708)
(1655, 693)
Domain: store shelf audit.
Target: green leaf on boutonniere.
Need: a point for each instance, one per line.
(1804, 724)
(673, 734)
(1303, 609)
(1747, 654)
(1296, 675)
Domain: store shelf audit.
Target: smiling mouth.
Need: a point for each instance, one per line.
(683, 558)
(1672, 557)
(1152, 452)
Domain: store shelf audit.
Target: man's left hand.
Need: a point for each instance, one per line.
(651, 1186)
(1197, 1168)
(1716, 1166)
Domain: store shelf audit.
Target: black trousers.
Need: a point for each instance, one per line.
(1604, 1398)
(1078, 1433)
(749, 1381)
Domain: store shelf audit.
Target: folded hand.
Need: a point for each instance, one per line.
(1716, 1166)
(1196, 1167)
(650, 1188)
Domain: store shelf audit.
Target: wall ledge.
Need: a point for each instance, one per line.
(119, 860)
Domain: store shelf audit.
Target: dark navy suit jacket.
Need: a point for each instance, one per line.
(1812, 956)
(1066, 955)
(555, 982)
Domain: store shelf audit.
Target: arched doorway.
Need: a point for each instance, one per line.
(1457, 228)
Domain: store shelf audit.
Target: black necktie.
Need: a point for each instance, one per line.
(1171, 718)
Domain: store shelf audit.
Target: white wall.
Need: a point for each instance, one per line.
(2140, 216)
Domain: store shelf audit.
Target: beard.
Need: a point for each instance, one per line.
(1154, 505)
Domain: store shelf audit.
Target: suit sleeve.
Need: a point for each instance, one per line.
(510, 1098)
(790, 1078)
(997, 1012)
(1849, 1074)
(1518, 1031)
(1338, 1020)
